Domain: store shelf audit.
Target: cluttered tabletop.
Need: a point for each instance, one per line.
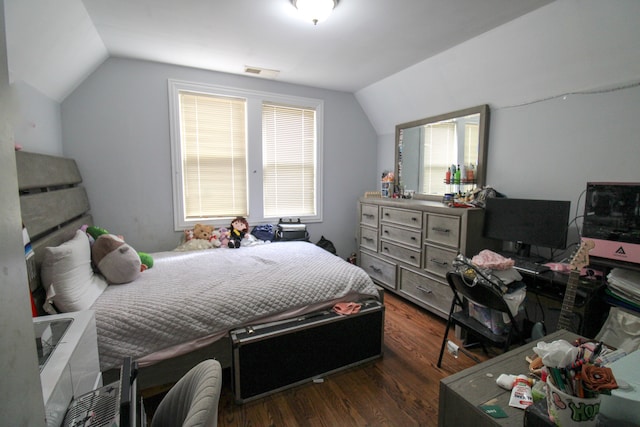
(560, 379)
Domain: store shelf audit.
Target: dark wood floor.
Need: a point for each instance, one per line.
(399, 389)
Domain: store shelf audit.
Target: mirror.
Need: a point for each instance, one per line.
(426, 149)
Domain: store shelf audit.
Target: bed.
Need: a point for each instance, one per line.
(181, 310)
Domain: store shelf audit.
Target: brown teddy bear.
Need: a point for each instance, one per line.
(203, 232)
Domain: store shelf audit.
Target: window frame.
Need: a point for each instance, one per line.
(255, 100)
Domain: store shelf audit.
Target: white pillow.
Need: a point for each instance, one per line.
(67, 275)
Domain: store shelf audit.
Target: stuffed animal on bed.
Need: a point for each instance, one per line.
(146, 260)
(117, 261)
(215, 239)
(239, 227)
(202, 231)
(223, 237)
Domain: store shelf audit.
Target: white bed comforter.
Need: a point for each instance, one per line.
(201, 295)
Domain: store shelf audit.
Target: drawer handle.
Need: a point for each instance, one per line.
(437, 261)
(423, 289)
(386, 231)
(413, 238)
(375, 269)
(387, 214)
(412, 257)
(385, 249)
(368, 215)
(440, 229)
(368, 239)
(414, 219)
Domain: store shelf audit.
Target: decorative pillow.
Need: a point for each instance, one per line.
(117, 261)
(67, 275)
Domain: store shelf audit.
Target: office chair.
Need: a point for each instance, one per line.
(484, 294)
(193, 400)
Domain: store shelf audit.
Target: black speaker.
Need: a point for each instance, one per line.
(274, 356)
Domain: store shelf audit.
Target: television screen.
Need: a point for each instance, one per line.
(528, 222)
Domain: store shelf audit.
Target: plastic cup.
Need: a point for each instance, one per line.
(566, 410)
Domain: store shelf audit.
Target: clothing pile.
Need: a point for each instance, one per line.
(502, 268)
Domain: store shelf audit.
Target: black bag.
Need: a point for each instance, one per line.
(292, 231)
(327, 245)
(472, 274)
(266, 232)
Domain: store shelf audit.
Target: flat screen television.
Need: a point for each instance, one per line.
(612, 220)
(527, 222)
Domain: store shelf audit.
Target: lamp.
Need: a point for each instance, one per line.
(315, 10)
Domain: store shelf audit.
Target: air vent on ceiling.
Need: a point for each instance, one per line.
(262, 72)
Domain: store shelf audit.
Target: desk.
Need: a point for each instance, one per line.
(462, 393)
(545, 293)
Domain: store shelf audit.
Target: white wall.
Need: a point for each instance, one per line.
(546, 149)
(116, 126)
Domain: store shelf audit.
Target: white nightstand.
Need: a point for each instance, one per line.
(72, 367)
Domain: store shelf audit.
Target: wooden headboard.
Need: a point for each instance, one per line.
(53, 204)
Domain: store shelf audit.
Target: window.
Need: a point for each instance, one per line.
(439, 153)
(238, 152)
(288, 159)
(442, 149)
(213, 155)
(471, 138)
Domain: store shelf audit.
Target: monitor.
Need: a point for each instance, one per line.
(612, 220)
(527, 222)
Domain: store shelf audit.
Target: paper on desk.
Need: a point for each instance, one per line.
(557, 354)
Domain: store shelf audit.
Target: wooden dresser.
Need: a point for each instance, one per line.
(407, 246)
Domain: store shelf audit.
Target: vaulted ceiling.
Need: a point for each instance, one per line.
(54, 45)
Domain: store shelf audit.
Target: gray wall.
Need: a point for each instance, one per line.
(38, 123)
(21, 401)
(116, 126)
(547, 149)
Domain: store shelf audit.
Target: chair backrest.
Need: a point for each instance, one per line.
(478, 292)
(193, 400)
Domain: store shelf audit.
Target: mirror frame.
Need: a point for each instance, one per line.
(483, 139)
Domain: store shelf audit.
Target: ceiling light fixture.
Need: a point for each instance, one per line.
(315, 10)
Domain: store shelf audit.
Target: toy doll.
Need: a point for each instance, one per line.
(239, 227)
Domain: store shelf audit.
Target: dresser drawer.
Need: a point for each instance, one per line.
(404, 217)
(369, 215)
(409, 237)
(443, 229)
(379, 270)
(437, 260)
(407, 255)
(426, 290)
(369, 238)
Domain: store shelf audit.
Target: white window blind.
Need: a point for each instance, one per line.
(289, 160)
(471, 138)
(214, 155)
(439, 154)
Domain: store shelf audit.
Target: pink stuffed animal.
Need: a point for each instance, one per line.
(223, 237)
